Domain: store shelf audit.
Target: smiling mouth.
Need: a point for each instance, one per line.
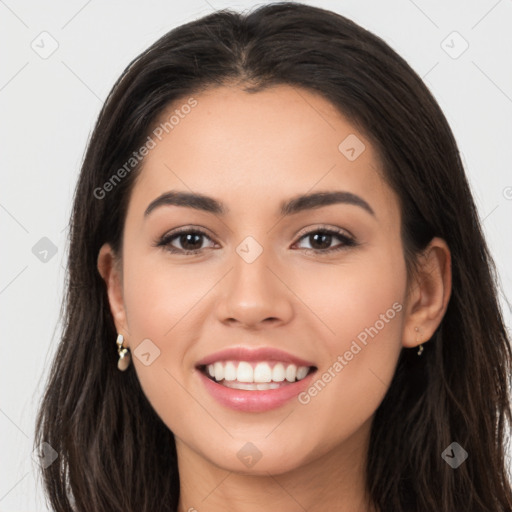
(255, 376)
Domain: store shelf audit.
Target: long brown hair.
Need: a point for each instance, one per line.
(115, 453)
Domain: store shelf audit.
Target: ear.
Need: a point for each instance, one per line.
(110, 269)
(429, 294)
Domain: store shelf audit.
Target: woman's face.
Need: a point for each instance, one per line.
(265, 276)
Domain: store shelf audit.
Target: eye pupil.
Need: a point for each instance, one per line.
(324, 236)
(185, 241)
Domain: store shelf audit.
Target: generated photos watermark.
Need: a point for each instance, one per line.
(344, 359)
(151, 142)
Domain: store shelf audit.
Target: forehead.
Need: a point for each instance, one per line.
(257, 147)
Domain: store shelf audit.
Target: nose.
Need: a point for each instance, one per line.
(254, 294)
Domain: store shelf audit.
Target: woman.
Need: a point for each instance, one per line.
(279, 293)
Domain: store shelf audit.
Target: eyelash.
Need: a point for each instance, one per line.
(346, 240)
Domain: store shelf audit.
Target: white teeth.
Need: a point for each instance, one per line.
(218, 368)
(263, 373)
(229, 371)
(291, 373)
(265, 386)
(244, 372)
(302, 371)
(279, 373)
(252, 386)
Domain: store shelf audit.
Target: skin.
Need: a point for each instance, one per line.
(252, 152)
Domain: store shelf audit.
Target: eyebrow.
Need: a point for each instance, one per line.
(295, 205)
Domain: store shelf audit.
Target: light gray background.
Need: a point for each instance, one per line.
(48, 107)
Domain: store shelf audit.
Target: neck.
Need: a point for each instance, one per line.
(333, 481)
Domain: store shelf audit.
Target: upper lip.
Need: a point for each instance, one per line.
(253, 354)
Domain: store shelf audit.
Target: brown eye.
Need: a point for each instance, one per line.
(188, 241)
(320, 240)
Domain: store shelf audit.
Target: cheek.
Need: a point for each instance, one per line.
(351, 296)
(158, 294)
(362, 310)
(159, 299)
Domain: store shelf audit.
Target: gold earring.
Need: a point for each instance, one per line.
(420, 349)
(124, 354)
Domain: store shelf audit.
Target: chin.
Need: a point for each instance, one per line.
(250, 460)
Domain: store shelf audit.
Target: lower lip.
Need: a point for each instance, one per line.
(254, 401)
